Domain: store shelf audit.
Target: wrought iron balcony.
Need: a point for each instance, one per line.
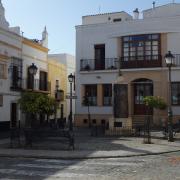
(141, 62)
(99, 64)
(176, 60)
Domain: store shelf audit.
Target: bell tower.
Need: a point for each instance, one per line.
(3, 23)
(45, 38)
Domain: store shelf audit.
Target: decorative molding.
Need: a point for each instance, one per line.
(10, 45)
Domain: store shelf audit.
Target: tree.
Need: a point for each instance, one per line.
(155, 102)
(33, 104)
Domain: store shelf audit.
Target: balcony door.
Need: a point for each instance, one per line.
(30, 80)
(43, 81)
(99, 56)
(142, 88)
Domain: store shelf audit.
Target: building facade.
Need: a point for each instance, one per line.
(57, 77)
(120, 60)
(67, 61)
(17, 54)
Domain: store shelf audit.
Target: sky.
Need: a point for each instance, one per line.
(61, 16)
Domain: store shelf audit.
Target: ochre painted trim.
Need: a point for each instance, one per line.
(35, 45)
(3, 57)
(10, 45)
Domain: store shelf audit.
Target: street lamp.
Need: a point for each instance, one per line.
(169, 62)
(32, 71)
(71, 79)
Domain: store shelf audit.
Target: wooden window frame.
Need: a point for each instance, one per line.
(136, 57)
(109, 86)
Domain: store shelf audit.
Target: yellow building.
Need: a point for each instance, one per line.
(57, 73)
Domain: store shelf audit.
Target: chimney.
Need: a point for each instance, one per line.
(136, 13)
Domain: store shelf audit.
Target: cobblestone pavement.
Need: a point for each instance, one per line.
(159, 167)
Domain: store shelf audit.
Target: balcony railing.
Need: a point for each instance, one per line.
(141, 62)
(35, 85)
(176, 60)
(103, 64)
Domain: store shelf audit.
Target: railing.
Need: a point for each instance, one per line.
(96, 64)
(36, 85)
(176, 60)
(141, 62)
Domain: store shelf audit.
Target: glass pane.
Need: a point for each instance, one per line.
(126, 38)
(155, 36)
(155, 52)
(155, 48)
(126, 44)
(126, 49)
(155, 43)
(132, 53)
(148, 43)
(132, 48)
(147, 52)
(148, 47)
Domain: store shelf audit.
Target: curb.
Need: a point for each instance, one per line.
(79, 158)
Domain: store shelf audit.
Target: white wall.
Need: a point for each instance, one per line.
(87, 35)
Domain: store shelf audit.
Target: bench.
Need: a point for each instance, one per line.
(32, 135)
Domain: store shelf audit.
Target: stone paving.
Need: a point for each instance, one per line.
(91, 147)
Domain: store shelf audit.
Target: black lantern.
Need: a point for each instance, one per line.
(71, 78)
(33, 69)
(169, 58)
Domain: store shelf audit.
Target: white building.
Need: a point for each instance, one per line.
(104, 40)
(17, 53)
(70, 63)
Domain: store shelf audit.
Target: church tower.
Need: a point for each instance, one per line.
(45, 38)
(3, 23)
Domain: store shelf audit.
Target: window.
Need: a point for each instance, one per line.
(43, 81)
(16, 73)
(175, 93)
(91, 93)
(99, 56)
(107, 94)
(141, 47)
(1, 100)
(2, 71)
(117, 20)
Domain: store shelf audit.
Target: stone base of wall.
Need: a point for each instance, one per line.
(81, 120)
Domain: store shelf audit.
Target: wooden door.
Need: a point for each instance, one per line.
(140, 91)
(100, 57)
(120, 100)
(13, 115)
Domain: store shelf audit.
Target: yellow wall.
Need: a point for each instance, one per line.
(57, 71)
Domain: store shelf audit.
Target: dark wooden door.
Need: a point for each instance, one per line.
(140, 91)
(43, 81)
(120, 100)
(13, 115)
(99, 57)
(30, 80)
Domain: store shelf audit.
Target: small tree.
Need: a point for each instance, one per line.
(37, 103)
(155, 102)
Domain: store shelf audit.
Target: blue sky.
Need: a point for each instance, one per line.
(61, 16)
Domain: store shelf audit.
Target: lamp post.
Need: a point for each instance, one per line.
(169, 62)
(71, 79)
(33, 70)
